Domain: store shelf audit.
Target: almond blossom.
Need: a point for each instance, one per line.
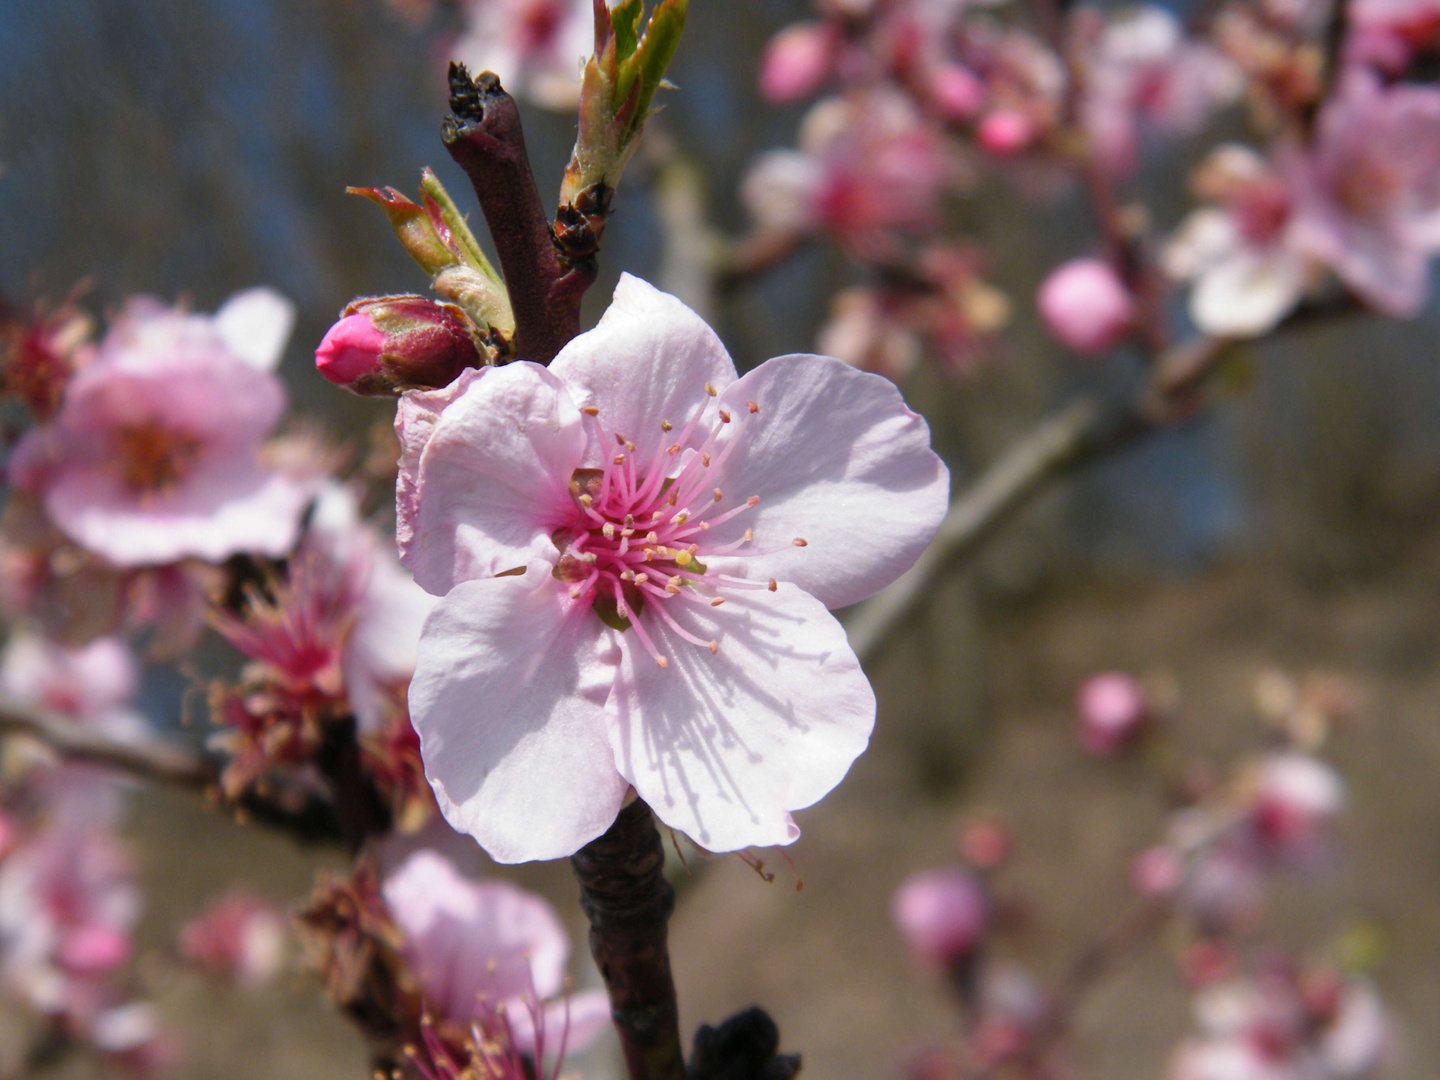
(636, 550)
(155, 452)
(491, 954)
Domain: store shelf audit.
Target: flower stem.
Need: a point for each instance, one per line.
(629, 902)
(485, 138)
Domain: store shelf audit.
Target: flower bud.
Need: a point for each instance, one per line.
(1085, 306)
(1112, 712)
(796, 61)
(1005, 132)
(389, 344)
(941, 915)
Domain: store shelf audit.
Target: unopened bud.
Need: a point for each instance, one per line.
(1112, 711)
(941, 914)
(1086, 307)
(389, 344)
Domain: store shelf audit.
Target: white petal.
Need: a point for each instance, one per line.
(508, 698)
(1248, 293)
(722, 747)
(255, 325)
(648, 360)
(837, 460)
(493, 479)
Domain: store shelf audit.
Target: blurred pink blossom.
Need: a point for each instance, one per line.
(1141, 70)
(1085, 306)
(1244, 256)
(1367, 194)
(156, 451)
(798, 60)
(490, 953)
(537, 47)
(636, 551)
(868, 166)
(238, 936)
(941, 914)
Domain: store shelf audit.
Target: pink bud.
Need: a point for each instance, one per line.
(90, 950)
(796, 61)
(1085, 306)
(956, 92)
(1157, 871)
(385, 345)
(1112, 712)
(940, 914)
(1005, 132)
(350, 350)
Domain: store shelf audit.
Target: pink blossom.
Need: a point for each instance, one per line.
(1141, 69)
(379, 650)
(1086, 306)
(797, 60)
(941, 914)
(1112, 711)
(537, 47)
(238, 936)
(155, 453)
(638, 483)
(1367, 194)
(1005, 132)
(68, 903)
(490, 953)
(1295, 799)
(1244, 256)
(867, 166)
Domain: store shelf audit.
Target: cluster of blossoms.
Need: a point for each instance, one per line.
(1279, 1021)
(153, 496)
(69, 900)
(1342, 190)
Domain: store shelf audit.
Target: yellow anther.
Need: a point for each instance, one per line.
(710, 389)
(609, 530)
(662, 661)
(665, 425)
(714, 647)
(752, 406)
(682, 558)
(717, 601)
(590, 410)
(618, 459)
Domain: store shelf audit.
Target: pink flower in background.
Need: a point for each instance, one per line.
(1142, 71)
(490, 953)
(1294, 801)
(1086, 306)
(867, 165)
(636, 551)
(237, 936)
(941, 914)
(1113, 712)
(1244, 255)
(68, 903)
(1367, 194)
(389, 609)
(156, 452)
(537, 47)
(798, 60)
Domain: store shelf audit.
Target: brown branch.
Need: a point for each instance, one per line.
(485, 138)
(309, 819)
(160, 762)
(628, 902)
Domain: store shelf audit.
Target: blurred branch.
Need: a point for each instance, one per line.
(309, 818)
(155, 761)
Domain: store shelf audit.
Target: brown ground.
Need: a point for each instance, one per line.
(825, 961)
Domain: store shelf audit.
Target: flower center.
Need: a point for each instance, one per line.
(152, 458)
(638, 538)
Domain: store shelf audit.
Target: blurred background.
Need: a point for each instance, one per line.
(189, 148)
